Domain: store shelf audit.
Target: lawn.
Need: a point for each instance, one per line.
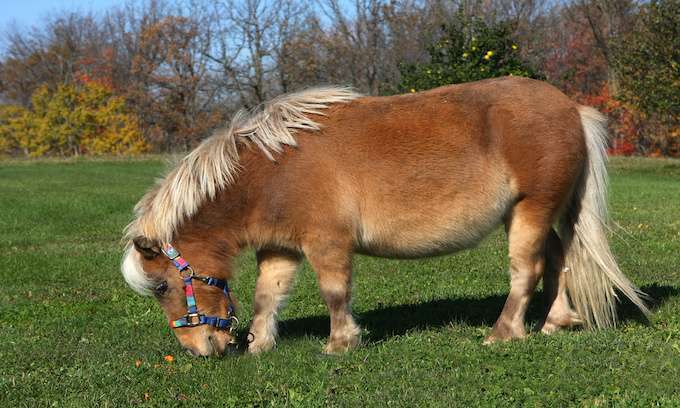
(73, 334)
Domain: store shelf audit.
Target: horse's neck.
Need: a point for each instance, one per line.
(224, 220)
(218, 222)
(208, 244)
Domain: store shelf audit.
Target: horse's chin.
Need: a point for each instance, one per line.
(206, 343)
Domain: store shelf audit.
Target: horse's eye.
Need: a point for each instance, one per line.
(161, 288)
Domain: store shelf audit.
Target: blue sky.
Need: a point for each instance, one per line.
(26, 13)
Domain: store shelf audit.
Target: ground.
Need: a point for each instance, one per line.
(73, 334)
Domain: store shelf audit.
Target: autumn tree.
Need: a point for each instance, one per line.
(648, 65)
(50, 55)
(172, 97)
(71, 120)
(606, 20)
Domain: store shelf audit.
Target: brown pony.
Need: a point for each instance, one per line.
(326, 173)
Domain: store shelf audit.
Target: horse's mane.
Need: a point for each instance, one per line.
(215, 162)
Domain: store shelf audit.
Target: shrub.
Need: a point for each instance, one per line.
(71, 120)
(14, 129)
(468, 50)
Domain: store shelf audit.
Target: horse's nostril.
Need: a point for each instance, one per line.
(191, 352)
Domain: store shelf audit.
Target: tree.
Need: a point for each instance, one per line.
(171, 95)
(607, 21)
(648, 61)
(567, 54)
(50, 55)
(468, 49)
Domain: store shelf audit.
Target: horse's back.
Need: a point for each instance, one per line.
(433, 172)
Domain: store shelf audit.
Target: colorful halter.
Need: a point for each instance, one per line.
(193, 317)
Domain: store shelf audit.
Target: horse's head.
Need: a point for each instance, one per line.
(195, 298)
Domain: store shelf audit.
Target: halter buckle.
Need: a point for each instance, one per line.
(193, 319)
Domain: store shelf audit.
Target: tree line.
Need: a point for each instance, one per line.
(157, 75)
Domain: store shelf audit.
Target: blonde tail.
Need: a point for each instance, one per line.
(593, 276)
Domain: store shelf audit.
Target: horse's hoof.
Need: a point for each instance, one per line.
(553, 325)
(549, 328)
(492, 339)
(260, 346)
(340, 346)
(503, 333)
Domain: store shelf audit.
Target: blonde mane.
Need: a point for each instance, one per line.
(215, 162)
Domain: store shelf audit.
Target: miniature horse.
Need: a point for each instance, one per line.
(326, 173)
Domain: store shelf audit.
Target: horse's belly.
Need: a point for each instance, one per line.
(441, 226)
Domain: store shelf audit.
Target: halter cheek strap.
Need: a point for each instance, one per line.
(193, 316)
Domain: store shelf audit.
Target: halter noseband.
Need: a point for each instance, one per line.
(193, 318)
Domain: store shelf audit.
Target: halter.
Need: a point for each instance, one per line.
(193, 318)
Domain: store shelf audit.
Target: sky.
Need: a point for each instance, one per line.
(26, 13)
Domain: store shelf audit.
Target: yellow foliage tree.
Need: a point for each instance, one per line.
(13, 128)
(71, 120)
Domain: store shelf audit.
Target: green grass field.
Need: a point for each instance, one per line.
(73, 334)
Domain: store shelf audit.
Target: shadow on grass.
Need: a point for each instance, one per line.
(392, 321)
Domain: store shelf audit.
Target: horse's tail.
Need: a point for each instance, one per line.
(593, 275)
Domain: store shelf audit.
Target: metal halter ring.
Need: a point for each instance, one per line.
(234, 323)
(190, 271)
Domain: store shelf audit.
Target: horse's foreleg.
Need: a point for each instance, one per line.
(333, 266)
(559, 312)
(276, 272)
(526, 235)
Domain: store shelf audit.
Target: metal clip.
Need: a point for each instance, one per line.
(193, 319)
(234, 324)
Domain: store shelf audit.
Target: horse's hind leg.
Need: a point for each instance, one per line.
(527, 232)
(276, 272)
(332, 263)
(559, 313)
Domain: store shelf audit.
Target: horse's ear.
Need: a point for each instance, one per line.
(148, 248)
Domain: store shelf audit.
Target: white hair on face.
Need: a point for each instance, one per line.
(133, 272)
(214, 163)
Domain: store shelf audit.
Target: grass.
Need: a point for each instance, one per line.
(72, 333)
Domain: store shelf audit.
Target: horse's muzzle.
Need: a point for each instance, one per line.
(213, 348)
